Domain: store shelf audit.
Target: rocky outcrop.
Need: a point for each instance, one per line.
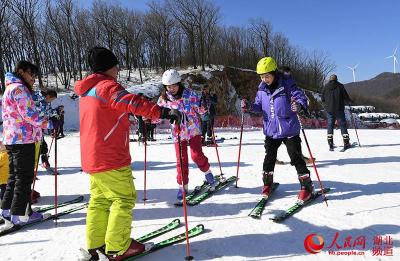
(232, 84)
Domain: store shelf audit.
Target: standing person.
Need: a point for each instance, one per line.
(22, 127)
(60, 113)
(43, 100)
(4, 169)
(104, 107)
(279, 99)
(176, 96)
(208, 101)
(334, 96)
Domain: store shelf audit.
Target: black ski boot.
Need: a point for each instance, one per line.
(330, 142)
(346, 141)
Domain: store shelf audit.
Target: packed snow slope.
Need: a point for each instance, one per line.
(363, 202)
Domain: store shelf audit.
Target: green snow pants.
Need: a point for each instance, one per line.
(109, 215)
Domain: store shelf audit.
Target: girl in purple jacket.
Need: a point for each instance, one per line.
(279, 100)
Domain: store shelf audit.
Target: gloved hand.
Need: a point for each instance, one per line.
(56, 116)
(244, 105)
(174, 116)
(205, 116)
(295, 106)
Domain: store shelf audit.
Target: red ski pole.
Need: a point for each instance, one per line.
(240, 148)
(312, 160)
(216, 149)
(188, 257)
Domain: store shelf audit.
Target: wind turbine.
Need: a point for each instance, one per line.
(394, 59)
(354, 71)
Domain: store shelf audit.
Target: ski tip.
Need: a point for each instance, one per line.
(177, 220)
(201, 226)
(326, 190)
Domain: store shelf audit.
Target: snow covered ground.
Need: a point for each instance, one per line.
(364, 202)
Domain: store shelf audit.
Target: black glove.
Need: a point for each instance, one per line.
(174, 116)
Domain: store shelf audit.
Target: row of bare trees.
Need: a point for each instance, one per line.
(174, 33)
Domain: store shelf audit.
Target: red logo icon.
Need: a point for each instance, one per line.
(310, 243)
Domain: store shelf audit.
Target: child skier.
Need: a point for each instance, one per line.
(60, 113)
(185, 100)
(43, 101)
(279, 99)
(104, 107)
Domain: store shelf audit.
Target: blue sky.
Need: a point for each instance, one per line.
(350, 31)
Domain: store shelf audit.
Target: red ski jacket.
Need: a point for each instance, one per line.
(104, 126)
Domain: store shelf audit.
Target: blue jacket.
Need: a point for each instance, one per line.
(279, 120)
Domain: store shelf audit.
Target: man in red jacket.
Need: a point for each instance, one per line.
(104, 134)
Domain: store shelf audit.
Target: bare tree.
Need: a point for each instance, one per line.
(170, 33)
(207, 19)
(159, 27)
(263, 34)
(182, 11)
(320, 66)
(3, 29)
(27, 12)
(105, 15)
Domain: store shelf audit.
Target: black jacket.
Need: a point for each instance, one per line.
(334, 96)
(209, 102)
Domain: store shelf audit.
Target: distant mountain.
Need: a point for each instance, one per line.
(382, 91)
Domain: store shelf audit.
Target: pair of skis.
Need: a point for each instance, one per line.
(5, 230)
(203, 192)
(195, 231)
(174, 224)
(259, 208)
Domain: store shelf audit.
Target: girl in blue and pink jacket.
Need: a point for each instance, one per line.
(22, 127)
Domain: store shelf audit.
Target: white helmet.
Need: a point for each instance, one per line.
(170, 77)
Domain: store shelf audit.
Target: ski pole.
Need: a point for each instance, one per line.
(216, 149)
(55, 175)
(51, 144)
(36, 169)
(312, 160)
(145, 165)
(355, 127)
(188, 257)
(240, 148)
